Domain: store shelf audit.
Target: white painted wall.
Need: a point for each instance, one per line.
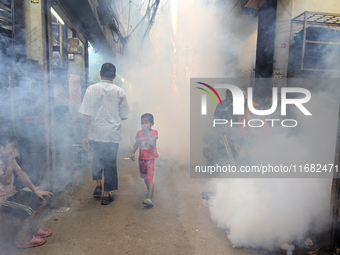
(300, 6)
(35, 33)
(246, 57)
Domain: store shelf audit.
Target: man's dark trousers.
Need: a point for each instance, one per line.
(105, 158)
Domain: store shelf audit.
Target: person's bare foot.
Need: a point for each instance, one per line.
(35, 241)
(43, 233)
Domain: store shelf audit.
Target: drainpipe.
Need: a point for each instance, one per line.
(265, 50)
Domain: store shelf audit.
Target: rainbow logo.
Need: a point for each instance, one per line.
(212, 89)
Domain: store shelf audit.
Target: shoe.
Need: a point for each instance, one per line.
(107, 200)
(97, 193)
(148, 202)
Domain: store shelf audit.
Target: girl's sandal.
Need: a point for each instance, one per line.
(148, 202)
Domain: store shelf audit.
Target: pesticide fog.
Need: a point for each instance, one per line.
(275, 214)
(157, 66)
(187, 39)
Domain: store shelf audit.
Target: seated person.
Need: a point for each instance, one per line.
(27, 205)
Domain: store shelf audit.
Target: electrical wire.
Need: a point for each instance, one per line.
(123, 10)
(230, 11)
(164, 5)
(129, 15)
(113, 36)
(137, 4)
(141, 5)
(147, 12)
(151, 11)
(153, 16)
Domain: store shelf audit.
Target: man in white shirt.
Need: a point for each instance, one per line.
(104, 106)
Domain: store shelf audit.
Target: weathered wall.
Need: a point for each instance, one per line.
(300, 6)
(35, 32)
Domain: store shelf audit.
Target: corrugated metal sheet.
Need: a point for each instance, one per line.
(5, 14)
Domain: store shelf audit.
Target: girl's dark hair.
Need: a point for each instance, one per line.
(149, 116)
(7, 137)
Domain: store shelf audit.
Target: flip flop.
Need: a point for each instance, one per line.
(35, 241)
(97, 193)
(43, 233)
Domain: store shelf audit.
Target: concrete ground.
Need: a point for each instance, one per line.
(179, 222)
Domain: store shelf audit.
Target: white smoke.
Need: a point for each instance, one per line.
(274, 213)
(185, 41)
(190, 41)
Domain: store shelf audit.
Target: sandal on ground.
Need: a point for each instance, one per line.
(43, 233)
(35, 241)
(148, 202)
(97, 193)
(107, 200)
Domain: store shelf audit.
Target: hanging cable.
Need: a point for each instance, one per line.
(230, 11)
(164, 5)
(129, 14)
